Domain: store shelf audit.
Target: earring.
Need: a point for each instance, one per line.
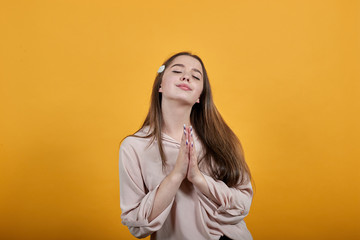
(198, 101)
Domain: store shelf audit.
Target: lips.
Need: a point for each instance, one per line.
(184, 87)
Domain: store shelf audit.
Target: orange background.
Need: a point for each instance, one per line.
(76, 78)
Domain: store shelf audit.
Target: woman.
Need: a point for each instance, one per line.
(183, 173)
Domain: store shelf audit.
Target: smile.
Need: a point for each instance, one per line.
(184, 87)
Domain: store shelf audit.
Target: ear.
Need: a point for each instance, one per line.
(198, 101)
(160, 89)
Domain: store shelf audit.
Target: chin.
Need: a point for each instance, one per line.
(184, 101)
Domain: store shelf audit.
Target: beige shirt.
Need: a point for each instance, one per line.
(190, 215)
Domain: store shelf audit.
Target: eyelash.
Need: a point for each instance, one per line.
(180, 72)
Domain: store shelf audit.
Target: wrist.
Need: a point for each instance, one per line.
(176, 177)
(198, 179)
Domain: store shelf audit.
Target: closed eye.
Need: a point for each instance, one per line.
(180, 72)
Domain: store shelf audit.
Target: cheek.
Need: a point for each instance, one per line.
(199, 90)
(167, 80)
(166, 84)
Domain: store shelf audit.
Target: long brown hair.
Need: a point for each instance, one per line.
(223, 151)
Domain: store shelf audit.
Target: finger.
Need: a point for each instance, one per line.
(192, 144)
(184, 130)
(188, 134)
(191, 154)
(189, 139)
(185, 139)
(192, 137)
(191, 134)
(192, 151)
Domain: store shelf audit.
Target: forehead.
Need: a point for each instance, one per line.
(188, 61)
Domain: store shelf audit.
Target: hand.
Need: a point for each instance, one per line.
(193, 174)
(182, 162)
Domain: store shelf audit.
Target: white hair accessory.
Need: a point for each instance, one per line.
(161, 68)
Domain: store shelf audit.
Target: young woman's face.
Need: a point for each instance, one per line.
(182, 80)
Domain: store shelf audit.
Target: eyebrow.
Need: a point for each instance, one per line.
(182, 65)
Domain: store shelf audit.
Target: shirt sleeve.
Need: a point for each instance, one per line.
(136, 202)
(233, 203)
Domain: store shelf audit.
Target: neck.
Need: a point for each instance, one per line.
(175, 115)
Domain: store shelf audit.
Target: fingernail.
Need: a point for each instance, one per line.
(184, 126)
(187, 142)
(192, 144)
(184, 132)
(191, 134)
(190, 128)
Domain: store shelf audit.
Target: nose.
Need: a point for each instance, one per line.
(185, 77)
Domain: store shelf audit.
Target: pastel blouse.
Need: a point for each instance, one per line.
(190, 215)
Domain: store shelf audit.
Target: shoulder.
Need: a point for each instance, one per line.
(136, 140)
(132, 149)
